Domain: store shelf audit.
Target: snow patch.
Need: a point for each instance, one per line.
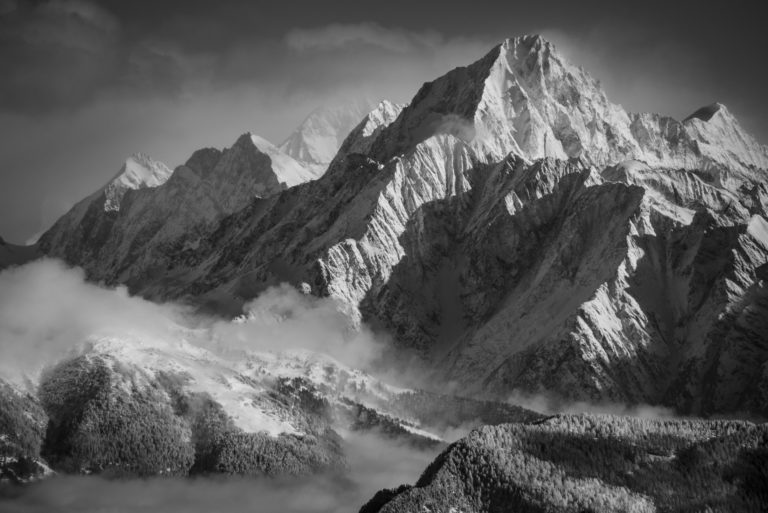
(758, 228)
(138, 171)
(287, 170)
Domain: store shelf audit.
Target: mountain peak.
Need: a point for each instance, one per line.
(245, 140)
(723, 142)
(262, 144)
(137, 172)
(524, 98)
(318, 138)
(521, 97)
(705, 113)
(528, 43)
(286, 169)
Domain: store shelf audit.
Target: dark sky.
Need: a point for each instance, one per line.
(85, 83)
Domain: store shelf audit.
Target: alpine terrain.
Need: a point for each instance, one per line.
(513, 231)
(511, 226)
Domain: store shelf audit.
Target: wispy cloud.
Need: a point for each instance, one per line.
(81, 11)
(551, 404)
(339, 35)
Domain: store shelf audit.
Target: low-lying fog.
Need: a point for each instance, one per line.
(375, 463)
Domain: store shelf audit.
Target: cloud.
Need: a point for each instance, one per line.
(48, 310)
(59, 51)
(375, 463)
(282, 318)
(339, 35)
(67, 53)
(82, 11)
(8, 6)
(550, 404)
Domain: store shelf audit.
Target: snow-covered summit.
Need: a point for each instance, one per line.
(138, 171)
(317, 139)
(524, 98)
(365, 133)
(722, 141)
(286, 168)
(384, 113)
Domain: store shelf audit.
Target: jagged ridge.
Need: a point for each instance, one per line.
(505, 226)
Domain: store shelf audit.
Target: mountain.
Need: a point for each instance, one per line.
(596, 464)
(139, 171)
(316, 140)
(154, 221)
(514, 230)
(150, 214)
(130, 404)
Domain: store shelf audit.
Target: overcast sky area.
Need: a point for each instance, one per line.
(85, 83)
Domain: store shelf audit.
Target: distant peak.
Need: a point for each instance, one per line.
(707, 112)
(250, 140)
(285, 168)
(245, 140)
(262, 144)
(139, 171)
(318, 138)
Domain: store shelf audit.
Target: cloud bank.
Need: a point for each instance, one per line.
(282, 318)
(48, 310)
(375, 464)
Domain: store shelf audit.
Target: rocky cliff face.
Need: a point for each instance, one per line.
(510, 226)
